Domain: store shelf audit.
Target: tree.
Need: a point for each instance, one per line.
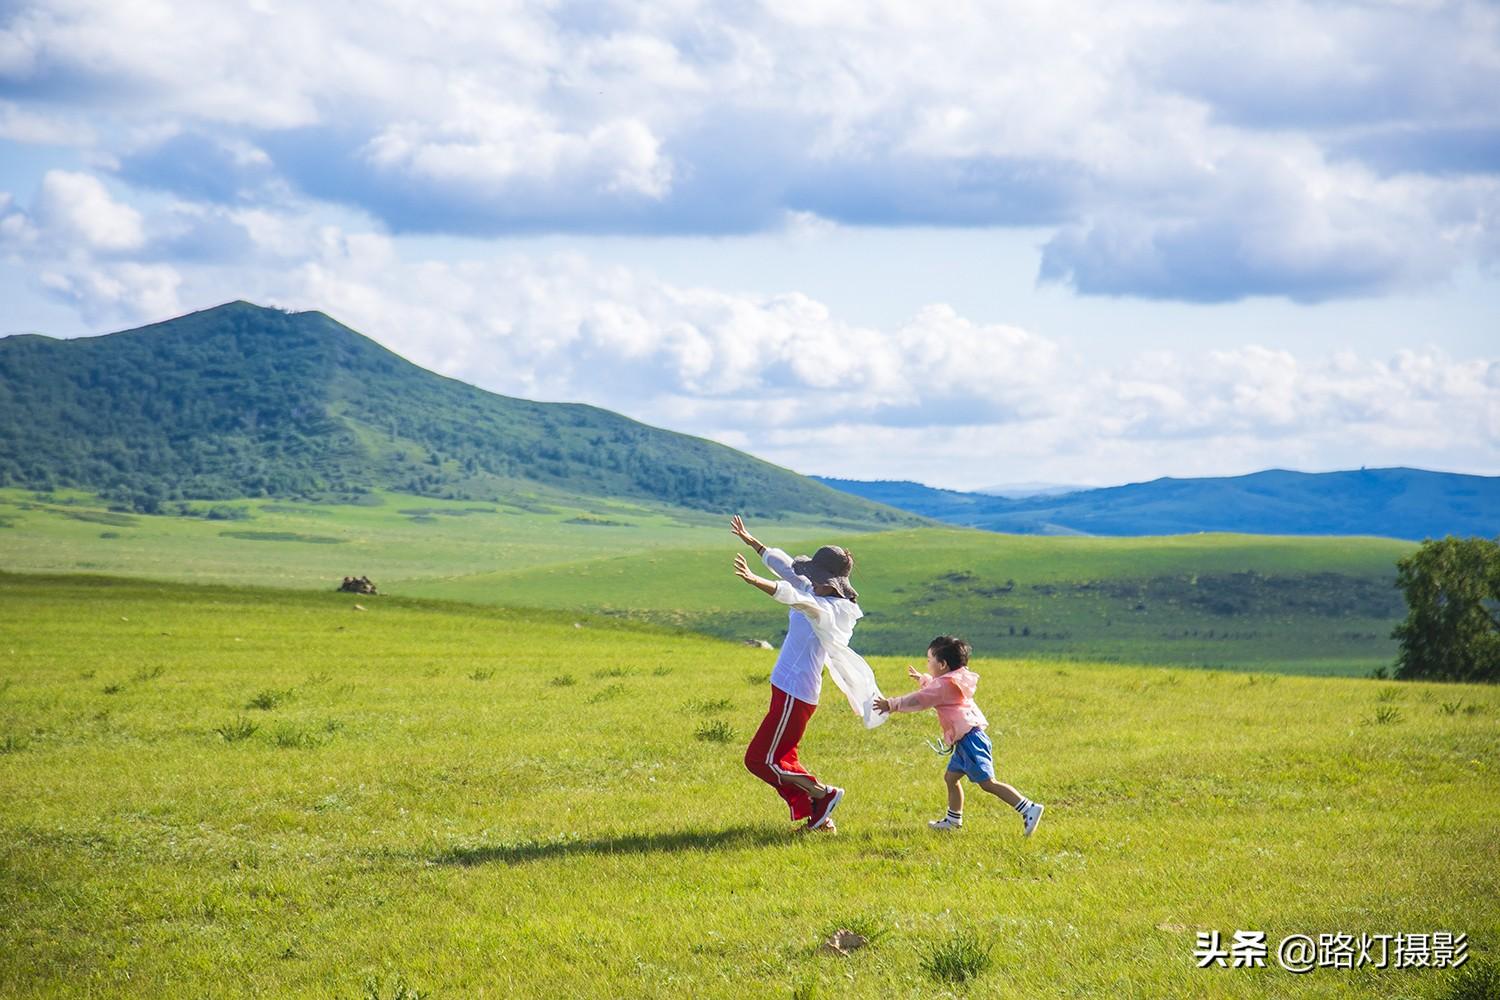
(1452, 626)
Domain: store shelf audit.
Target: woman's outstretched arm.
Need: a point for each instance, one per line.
(742, 570)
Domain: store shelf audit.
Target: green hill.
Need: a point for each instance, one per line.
(245, 401)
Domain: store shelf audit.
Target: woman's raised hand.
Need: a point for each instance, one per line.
(742, 568)
(737, 526)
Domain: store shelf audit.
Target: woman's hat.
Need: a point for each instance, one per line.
(830, 565)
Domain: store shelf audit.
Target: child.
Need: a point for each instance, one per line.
(824, 609)
(948, 686)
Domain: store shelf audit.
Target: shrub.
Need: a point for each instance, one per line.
(606, 693)
(717, 731)
(397, 990)
(957, 959)
(269, 699)
(240, 729)
(294, 738)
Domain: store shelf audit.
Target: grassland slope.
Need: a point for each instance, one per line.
(229, 792)
(1299, 605)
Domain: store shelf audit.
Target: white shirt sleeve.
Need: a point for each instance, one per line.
(780, 563)
(799, 600)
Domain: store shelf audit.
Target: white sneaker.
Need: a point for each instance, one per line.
(946, 823)
(1031, 817)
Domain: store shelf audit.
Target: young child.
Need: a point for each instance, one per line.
(948, 686)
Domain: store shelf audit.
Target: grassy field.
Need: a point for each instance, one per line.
(394, 538)
(230, 792)
(1292, 605)
(1296, 605)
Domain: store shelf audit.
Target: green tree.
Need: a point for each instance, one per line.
(1452, 629)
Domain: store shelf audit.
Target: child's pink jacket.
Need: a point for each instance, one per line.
(952, 694)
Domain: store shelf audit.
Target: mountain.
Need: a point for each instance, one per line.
(1396, 503)
(241, 400)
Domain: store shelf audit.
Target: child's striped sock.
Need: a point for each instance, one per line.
(955, 817)
(1023, 805)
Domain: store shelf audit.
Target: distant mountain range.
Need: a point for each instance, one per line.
(1396, 503)
(1016, 491)
(245, 401)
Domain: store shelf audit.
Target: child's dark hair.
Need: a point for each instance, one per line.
(951, 651)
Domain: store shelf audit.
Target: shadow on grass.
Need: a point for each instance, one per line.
(525, 851)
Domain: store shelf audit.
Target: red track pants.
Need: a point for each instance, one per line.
(773, 751)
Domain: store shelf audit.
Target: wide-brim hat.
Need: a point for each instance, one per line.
(831, 566)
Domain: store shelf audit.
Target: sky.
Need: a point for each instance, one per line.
(965, 244)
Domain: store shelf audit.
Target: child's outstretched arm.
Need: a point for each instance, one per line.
(929, 695)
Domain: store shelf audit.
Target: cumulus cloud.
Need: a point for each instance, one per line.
(77, 210)
(561, 328)
(1206, 153)
(19, 125)
(121, 291)
(113, 263)
(1274, 226)
(1277, 65)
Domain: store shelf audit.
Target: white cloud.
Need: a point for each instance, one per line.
(118, 292)
(31, 128)
(77, 210)
(490, 149)
(1205, 152)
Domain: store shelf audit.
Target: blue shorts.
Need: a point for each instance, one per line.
(973, 756)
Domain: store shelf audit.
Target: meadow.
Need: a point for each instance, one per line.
(1263, 603)
(231, 791)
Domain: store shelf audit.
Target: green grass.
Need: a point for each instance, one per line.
(395, 828)
(1291, 605)
(393, 538)
(1298, 605)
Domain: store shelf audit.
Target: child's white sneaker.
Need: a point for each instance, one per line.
(946, 823)
(1031, 817)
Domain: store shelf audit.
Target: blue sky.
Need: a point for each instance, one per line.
(972, 244)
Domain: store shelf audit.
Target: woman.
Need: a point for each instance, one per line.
(824, 608)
